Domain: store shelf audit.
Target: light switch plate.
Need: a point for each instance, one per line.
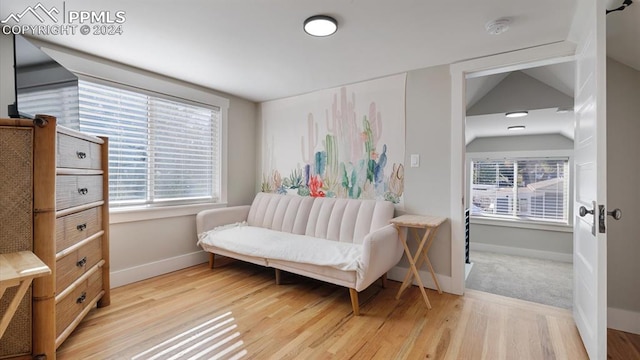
(415, 160)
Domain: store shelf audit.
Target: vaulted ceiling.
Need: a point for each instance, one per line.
(545, 92)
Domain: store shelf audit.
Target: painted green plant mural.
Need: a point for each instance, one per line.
(346, 162)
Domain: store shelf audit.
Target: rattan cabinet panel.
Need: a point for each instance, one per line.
(16, 229)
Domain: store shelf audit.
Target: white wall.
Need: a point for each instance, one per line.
(428, 128)
(623, 191)
(537, 243)
(146, 248)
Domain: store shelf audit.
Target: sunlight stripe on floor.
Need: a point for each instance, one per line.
(212, 347)
(151, 354)
(209, 338)
(219, 354)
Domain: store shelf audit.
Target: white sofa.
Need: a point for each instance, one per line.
(341, 241)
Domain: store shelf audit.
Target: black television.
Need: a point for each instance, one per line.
(42, 85)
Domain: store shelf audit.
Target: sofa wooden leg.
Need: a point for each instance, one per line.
(354, 302)
(211, 259)
(383, 279)
(278, 276)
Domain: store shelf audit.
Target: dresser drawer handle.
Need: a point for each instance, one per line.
(83, 191)
(81, 155)
(81, 298)
(81, 227)
(81, 262)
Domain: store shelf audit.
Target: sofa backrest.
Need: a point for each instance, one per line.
(345, 220)
(288, 213)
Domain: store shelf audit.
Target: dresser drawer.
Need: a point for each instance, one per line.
(73, 265)
(77, 153)
(72, 305)
(76, 227)
(74, 190)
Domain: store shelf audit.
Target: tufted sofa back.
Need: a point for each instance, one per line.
(288, 213)
(345, 220)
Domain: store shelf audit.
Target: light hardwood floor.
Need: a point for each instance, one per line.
(237, 311)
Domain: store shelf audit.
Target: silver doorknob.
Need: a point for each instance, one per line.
(616, 214)
(583, 211)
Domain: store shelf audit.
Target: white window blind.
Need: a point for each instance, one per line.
(160, 151)
(527, 189)
(59, 100)
(185, 152)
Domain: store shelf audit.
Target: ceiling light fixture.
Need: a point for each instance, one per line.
(320, 25)
(516, 127)
(516, 114)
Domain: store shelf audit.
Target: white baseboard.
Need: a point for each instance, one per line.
(149, 270)
(398, 273)
(538, 254)
(156, 268)
(623, 320)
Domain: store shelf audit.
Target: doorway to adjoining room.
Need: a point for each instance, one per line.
(519, 153)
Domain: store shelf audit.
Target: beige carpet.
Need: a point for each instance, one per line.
(541, 281)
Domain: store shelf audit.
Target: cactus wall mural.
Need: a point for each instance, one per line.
(346, 142)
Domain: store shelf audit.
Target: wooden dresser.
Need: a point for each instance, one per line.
(70, 222)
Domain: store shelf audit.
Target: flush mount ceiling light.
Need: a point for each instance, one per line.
(516, 114)
(516, 127)
(320, 25)
(497, 27)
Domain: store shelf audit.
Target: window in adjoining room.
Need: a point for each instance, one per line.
(521, 189)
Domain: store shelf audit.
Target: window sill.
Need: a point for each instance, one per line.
(142, 213)
(520, 224)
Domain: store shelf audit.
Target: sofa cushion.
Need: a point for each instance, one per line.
(271, 244)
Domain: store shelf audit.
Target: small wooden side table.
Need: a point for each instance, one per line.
(18, 269)
(414, 222)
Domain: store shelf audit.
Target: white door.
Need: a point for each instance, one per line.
(589, 237)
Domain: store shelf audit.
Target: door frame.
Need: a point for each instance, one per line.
(516, 60)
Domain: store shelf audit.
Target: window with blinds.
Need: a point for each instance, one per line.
(59, 100)
(521, 188)
(160, 151)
